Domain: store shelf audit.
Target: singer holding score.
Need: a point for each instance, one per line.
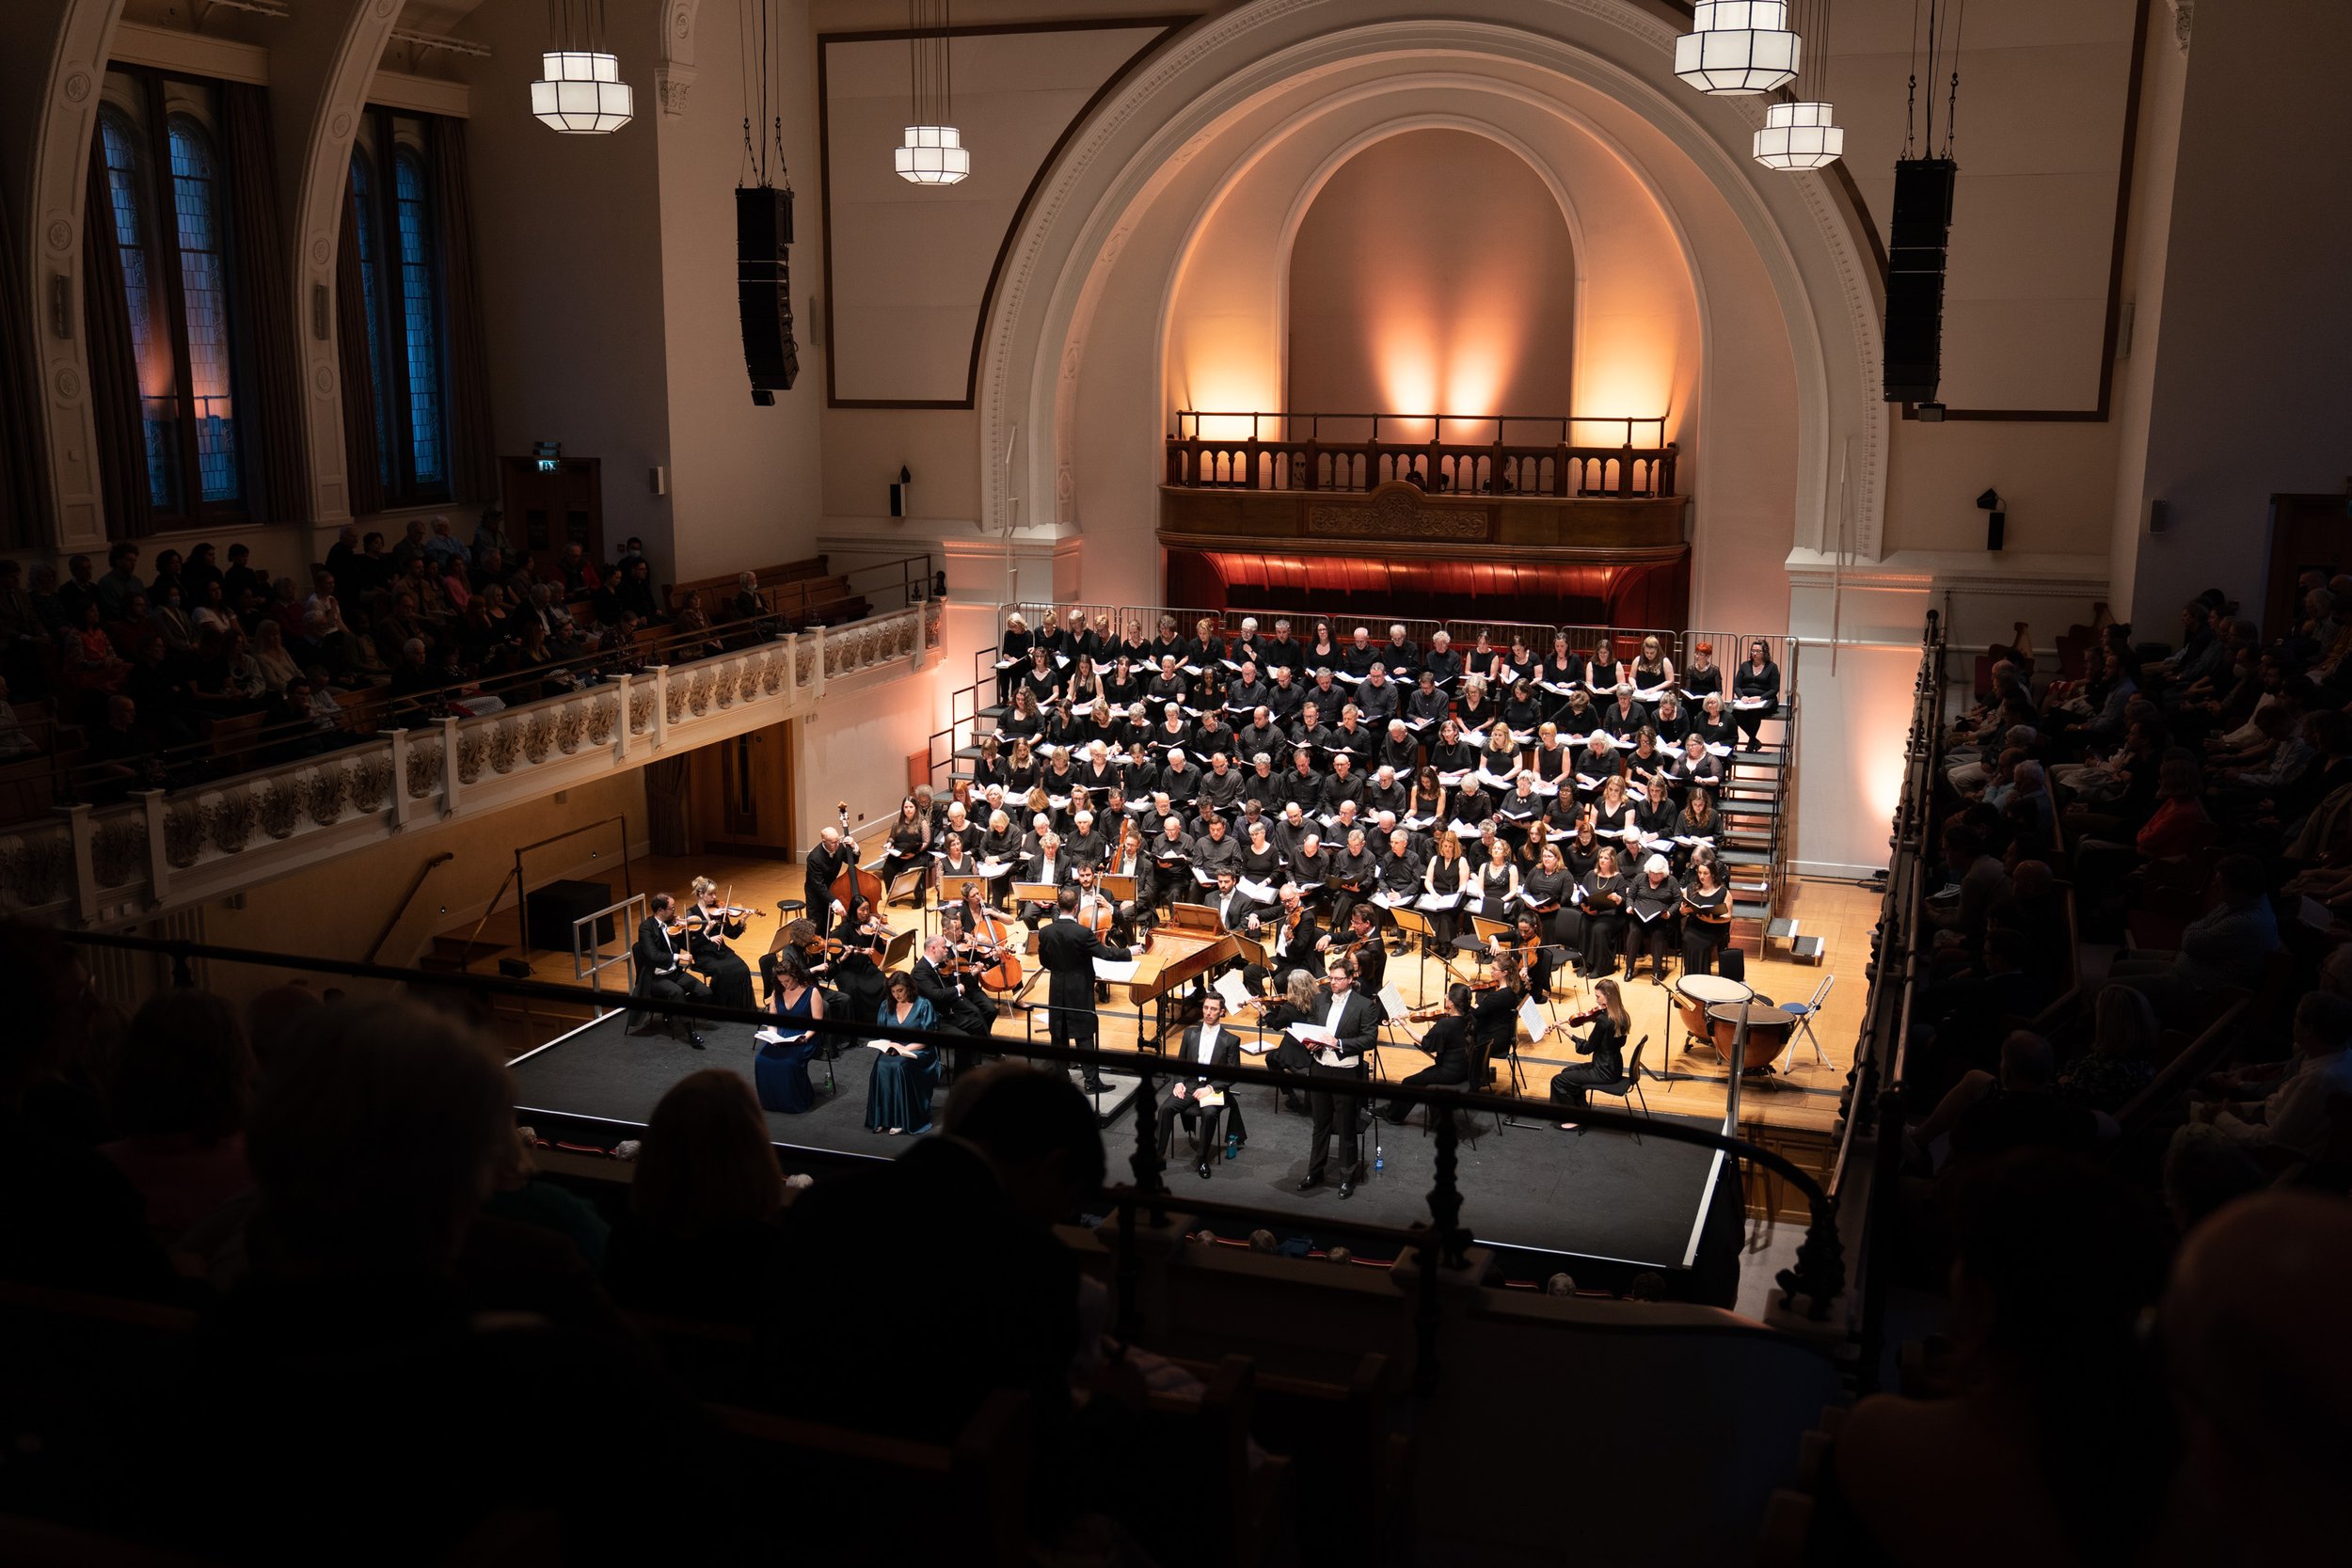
(1339, 1035)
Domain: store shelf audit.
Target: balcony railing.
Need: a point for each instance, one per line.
(1486, 454)
(89, 865)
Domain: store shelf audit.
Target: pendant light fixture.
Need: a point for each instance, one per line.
(1738, 46)
(933, 153)
(579, 91)
(1804, 134)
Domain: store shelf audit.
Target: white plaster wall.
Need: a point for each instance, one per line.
(2247, 396)
(745, 480)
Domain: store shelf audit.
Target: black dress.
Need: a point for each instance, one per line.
(730, 977)
(1605, 1045)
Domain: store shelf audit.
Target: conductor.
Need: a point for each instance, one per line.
(1068, 951)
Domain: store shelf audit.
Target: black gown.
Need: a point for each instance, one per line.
(729, 977)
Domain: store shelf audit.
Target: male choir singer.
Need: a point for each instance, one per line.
(1352, 1021)
(1196, 1098)
(1068, 951)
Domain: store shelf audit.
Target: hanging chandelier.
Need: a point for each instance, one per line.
(579, 91)
(933, 153)
(1804, 134)
(1738, 46)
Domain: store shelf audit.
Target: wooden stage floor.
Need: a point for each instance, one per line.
(1794, 1109)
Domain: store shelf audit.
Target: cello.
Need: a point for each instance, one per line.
(852, 880)
(1001, 969)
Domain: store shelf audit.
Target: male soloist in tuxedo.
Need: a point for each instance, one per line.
(1068, 951)
(1206, 1047)
(1354, 1019)
(661, 971)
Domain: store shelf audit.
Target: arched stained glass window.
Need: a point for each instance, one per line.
(364, 224)
(204, 296)
(419, 315)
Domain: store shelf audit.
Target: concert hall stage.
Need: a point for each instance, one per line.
(1593, 1203)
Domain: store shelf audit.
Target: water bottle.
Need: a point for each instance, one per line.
(1232, 1146)
(1379, 1158)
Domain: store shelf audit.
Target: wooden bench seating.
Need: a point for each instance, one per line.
(715, 590)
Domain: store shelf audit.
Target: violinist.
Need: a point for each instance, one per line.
(1605, 1045)
(714, 925)
(1525, 946)
(857, 970)
(1293, 940)
(957, 1000)
(1361, 941)
(659, 971)
(1494, 1020)
(1448, 1042)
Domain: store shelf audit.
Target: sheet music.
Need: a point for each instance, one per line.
(1314, 1036)
(1009, 663)
(1647, 915)
(1750, 704)
(1260, 892)
(1110, 969)
(1532, 1019)
(1392, 1002)
(992, 868)
(1436, 901)
(1229, 986)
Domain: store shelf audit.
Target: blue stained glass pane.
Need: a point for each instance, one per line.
(158, 405)
(204, 298)
(371, 301)
(420, 329)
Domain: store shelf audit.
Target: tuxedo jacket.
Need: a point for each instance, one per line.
(1186, 1066)
(1359, 1023)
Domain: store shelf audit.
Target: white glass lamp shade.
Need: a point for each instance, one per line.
(933, 155)
(1799, 135)
(581, 93)
(1738, 46)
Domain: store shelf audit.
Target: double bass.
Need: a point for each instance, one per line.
(852, 880)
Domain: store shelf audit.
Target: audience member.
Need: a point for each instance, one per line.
(702, 1227)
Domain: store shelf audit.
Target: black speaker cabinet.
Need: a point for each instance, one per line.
(763, 288)
(1918, 231)
(549, 912)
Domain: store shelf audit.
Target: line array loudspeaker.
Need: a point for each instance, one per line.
(1916, 237)
(763, 288)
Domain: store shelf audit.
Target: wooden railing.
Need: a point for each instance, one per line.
(1527, 456)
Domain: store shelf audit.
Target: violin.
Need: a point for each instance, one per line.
(1587, 1016)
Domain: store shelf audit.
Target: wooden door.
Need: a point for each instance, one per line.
(2307, 532)
(739, 795)
(552, 503)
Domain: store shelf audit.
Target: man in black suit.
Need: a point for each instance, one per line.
(1207, 1046)
(1292, 939)
(955, 999)
(1354, 1020)
(1372, 959)
(661, 971)
(1068, 951)
(824, 863)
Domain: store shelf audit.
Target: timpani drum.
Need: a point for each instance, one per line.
(1695, 993)
(1768, 1029)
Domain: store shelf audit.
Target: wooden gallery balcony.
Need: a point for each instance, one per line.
(1380, 512)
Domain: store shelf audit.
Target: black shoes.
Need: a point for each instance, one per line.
(694, 1039)
(1310, 1184)
(1203, 1170)
(1095, 1085)
(1293, 1100)
(1347, 1189)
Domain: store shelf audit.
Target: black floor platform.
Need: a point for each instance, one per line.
(1533, 1189)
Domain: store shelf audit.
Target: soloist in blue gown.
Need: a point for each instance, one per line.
(781, 1071)
(900, 1093)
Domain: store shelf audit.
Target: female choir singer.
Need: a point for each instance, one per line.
(899, 1095)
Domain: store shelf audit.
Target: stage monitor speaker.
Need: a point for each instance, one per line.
(1916, 235)
(763, 288)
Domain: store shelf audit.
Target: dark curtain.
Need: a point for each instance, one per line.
(269, 383)
(113, 368)
(473, 463)
(24, 493)
(363, 464)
